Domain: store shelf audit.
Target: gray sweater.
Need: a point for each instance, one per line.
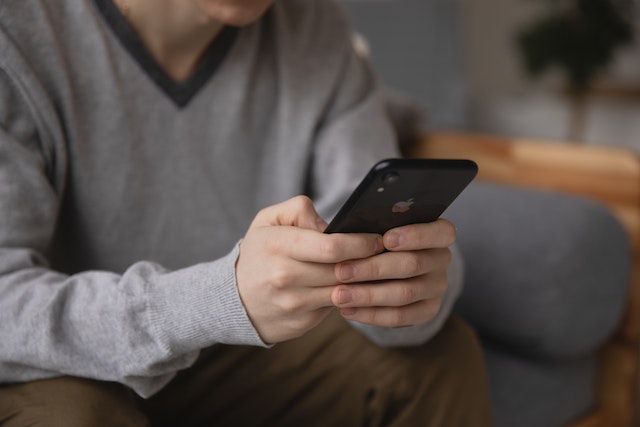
(123, 194)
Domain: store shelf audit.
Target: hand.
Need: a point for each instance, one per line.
(402, 287)
(285, 270)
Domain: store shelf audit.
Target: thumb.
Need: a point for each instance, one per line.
(297, 211)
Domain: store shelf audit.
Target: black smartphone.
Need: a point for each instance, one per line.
(399, 192)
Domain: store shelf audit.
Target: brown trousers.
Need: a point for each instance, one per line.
(333, 376)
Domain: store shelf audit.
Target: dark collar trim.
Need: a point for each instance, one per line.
(179, 92)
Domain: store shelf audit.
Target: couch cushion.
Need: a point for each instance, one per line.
(546, 273)
(527, 392)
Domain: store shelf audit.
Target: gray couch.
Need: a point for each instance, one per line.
(546, 282)
(546, 274)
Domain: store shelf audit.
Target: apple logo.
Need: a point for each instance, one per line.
(402, 206)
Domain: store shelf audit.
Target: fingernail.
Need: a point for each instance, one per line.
(348, 312)
(392, 240)
(344, 296)
(346, 272)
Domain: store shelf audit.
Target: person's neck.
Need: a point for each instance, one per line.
(175, 32)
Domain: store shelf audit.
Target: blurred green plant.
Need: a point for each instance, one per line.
(580, 38)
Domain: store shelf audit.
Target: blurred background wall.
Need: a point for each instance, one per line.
(460, 61)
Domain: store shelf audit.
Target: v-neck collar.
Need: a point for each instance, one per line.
(179, 92)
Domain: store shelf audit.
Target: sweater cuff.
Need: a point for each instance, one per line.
(198, 306)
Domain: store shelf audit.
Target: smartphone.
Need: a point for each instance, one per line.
(399, 192)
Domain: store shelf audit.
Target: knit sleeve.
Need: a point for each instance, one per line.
(137, 328)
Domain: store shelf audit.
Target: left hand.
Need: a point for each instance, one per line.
(404, 286)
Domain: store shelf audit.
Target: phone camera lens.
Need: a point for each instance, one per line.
(390, 178)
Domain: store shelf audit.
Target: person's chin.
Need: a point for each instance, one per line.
(237, 15)
(241, 21)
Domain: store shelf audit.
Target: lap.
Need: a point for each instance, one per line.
(331, 376)
(69, 402)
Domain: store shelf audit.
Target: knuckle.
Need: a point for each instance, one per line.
(280, 276)
(411, 264)
(329, 247)
(271, 246)
(295, 240)
(398, 317)
(408, 294)
(261, 216)
(290, 304)
(370, 270)
(375, 317)
(363, 297)
(302, 202)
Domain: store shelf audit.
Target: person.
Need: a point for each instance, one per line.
(166, 171)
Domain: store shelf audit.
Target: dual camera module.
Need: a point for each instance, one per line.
(388, 178)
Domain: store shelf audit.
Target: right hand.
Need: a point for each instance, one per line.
(285, 270)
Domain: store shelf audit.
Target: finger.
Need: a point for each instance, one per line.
(393, 265)
(396, 293)
(305, 300)
(286, 273)
(297, 211)
(312, 246)
(437, 234)
(391, 317)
